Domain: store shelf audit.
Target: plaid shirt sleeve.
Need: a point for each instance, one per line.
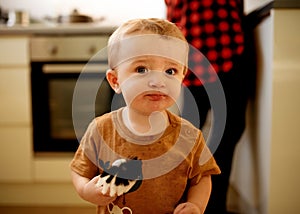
(214, 28)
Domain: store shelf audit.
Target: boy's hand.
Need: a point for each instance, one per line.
(187, 208)
(93, 194)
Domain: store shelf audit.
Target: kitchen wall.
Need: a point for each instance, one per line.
(250, 5)
(113, 10)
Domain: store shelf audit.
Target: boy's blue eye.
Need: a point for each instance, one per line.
(141, 70)
(171, 71)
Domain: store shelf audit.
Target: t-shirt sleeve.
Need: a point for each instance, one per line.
(84, 162)
(203, 162)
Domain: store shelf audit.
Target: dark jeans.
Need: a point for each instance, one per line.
(236, 94)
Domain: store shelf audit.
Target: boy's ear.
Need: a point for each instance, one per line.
(112, 78)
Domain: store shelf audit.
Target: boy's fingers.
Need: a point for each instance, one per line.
(179, 208)
(95, 179)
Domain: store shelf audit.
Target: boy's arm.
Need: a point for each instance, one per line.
(200, 193)
(87, 190)
(197, 198)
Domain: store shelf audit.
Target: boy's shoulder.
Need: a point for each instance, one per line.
(185, 125)
(104, 117)
(105, 120)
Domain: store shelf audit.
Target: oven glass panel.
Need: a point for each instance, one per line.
(60, 105)
(52, 97)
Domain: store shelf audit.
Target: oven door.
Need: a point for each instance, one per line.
(52, 93)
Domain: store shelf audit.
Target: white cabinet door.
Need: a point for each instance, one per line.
(15, 111)
(14, 51)
(15, 154)
(15, 104)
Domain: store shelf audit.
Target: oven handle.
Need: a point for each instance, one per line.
(74, 68)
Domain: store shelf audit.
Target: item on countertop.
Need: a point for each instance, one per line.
(18, 17)
(75, 17)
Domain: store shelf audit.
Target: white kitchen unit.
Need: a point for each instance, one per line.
(15, 110)
(249, 182)
(29, 178)
(285, 175)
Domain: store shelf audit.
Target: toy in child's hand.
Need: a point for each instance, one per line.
(123, 176)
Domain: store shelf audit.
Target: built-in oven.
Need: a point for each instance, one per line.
(57, 65)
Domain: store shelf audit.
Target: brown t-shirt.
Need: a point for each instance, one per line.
(171, 162)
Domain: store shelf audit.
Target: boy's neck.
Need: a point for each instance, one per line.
(141, 124)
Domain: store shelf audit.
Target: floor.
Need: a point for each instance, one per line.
(47, 210)
(51, 210)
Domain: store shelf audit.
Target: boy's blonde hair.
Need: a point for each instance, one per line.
(142, 26)
(153, 25)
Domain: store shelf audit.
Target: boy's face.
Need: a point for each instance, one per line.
(148, 83)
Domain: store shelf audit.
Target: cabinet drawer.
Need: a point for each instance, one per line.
(63, 48)
(14, 51)
(15, 104)
(15, 154)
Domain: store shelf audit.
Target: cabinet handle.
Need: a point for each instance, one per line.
(92, 50)
(53, 50)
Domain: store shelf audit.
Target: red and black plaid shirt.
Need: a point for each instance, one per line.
(214, 28)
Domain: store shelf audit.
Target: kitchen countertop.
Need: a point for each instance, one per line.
(57, 29)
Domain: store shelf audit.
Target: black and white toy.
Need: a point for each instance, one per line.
(122, 177)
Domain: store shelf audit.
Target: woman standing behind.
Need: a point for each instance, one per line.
(214, 27)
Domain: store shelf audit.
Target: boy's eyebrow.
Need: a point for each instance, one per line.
(135, 61)
(174, 63)
(146, 59)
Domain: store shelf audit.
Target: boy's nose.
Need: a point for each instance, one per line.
(156, 80)
(156, 84)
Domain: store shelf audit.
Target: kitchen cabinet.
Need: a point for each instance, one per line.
(26, 178)
(15, 107)
(15, 154)
(14, 51)
(285, 159)
(29, 178)
(15, 110)
(14, 81)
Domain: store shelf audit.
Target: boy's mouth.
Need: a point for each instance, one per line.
(155, 96)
